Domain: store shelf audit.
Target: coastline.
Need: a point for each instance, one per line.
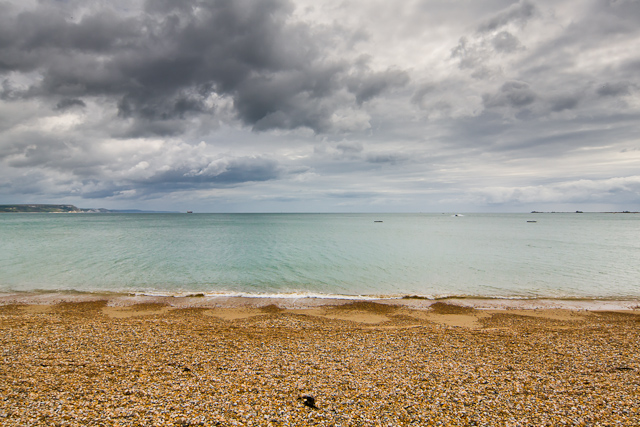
(298, 301)
(143, 361)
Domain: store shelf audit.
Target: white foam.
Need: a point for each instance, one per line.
(286, 295)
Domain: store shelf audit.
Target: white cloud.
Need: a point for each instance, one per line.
(580, 191)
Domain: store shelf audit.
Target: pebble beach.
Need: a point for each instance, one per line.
(357, 363)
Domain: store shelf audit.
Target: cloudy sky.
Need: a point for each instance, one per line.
(331, 106)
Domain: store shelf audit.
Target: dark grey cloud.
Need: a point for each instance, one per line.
(164, 64)
(220, 172)
(616, 89)
(67, 103)
(493, 38)
(387, 158)
(475, 52)
(514, 94)
(95, 182)
(34, 149)
(470, 55)
(421, 93)
(368, 85)
(565, 102)
(350, 147)
(504, 41)
(223, 173)
(8, 91)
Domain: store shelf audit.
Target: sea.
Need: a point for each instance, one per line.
(512, 256)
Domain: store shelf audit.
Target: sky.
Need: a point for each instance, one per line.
(330, 106)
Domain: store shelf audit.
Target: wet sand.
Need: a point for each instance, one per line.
(288, 302)
(152, 361)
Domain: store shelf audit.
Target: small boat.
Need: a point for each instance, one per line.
(189, 211)
(532, 221)
(377, 221)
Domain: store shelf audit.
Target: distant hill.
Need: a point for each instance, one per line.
(38, 208)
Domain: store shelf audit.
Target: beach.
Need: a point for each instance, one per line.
(135, 360)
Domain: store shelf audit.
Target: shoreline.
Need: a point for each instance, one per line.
(291, 301)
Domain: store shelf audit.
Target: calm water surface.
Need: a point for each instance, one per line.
(489, 255)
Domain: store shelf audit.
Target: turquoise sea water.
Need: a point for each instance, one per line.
(487, 255)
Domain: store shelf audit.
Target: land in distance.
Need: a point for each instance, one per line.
(44, 208)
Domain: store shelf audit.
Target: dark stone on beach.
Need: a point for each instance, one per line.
(308, 400)
(185, 369)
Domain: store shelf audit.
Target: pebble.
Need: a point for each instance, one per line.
(74, 366)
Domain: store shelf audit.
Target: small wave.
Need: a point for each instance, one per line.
(286, 295)
(79, 294)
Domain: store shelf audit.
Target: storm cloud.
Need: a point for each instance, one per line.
(281, 105)
(171, 60)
